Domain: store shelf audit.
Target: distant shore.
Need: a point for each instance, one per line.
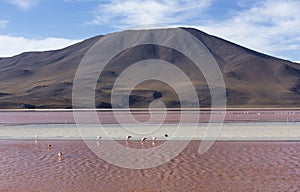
(162, 109)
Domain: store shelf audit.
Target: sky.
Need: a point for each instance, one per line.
(268, 26)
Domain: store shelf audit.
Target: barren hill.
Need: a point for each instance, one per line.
(45, 79)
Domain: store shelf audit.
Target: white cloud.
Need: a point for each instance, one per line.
(125, 13)
(3, 23)
(271, 26)
(268, 26)
(23, 4)
(11, 46)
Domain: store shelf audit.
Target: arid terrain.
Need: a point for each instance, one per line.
(45, 79)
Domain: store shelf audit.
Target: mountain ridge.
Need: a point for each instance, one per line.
(45, 79)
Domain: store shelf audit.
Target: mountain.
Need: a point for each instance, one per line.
(45, 79)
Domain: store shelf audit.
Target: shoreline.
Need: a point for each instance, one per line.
(148, 141)
(162, 109)
(243, 131)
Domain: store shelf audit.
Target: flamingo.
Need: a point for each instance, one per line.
(59, 155)
(128, 137)
(143, 139)
(153, 140)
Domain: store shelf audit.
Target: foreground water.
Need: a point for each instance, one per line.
(227, 166)
(248, 156)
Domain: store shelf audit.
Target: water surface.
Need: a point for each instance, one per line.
(227, 166)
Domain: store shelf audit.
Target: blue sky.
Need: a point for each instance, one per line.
(268, 26)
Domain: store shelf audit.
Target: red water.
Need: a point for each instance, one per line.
(227, 166)
(26, 117)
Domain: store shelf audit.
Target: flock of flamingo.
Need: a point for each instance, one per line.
(60, 154)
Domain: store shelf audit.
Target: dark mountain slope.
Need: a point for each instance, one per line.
(44, 79)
